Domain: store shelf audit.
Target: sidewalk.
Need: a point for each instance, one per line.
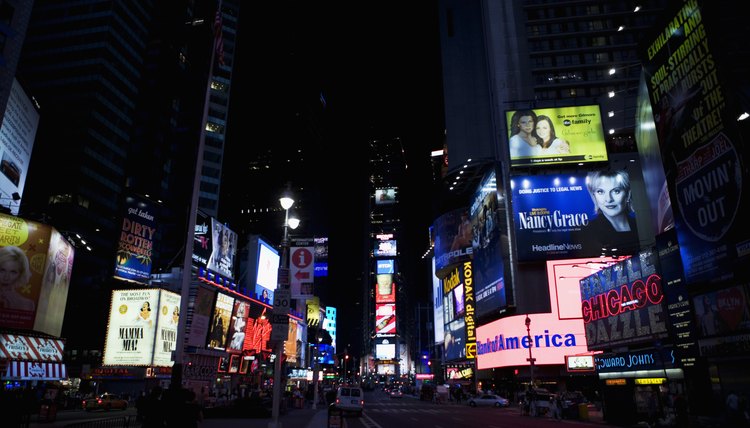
(293, 418)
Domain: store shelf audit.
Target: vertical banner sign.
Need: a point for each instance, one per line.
(136, 241)
(202, 239)
(679, 307)
(700, 139)
(220, 325)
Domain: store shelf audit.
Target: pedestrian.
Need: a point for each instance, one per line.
(189, 413)
(153, 410)
(732, 404)
(555, 405)
(681, 411)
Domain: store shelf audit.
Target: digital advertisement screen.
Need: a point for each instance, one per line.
(385, 351)
(564, 216)
(268, 271)
(237, 326)
(386, 248)
(552, 136)
(385, 196)
(202, 239)
(385, 266)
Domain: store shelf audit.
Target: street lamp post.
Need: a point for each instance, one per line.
(315, 371)
(531, 359)
(286, 204)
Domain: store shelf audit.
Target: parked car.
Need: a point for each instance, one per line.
(396, 393)
(488, 400)
(350, 399)
(105, 402)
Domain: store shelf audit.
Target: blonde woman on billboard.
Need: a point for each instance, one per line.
(614, 224)
(548, 140)
(523, 142)
(14, 274)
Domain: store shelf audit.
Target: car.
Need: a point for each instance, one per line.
(106, 402)
(350, 399)
(488, 400)
(396, 393)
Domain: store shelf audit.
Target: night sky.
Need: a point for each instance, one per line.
(378, 66)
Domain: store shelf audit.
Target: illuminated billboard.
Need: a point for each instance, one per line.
(385, 289)
(385, 248)
(622, 303)
(237, 326)
(385, 266)
(557, 334)
(40, 262)
(552, 136)
(135, 247)
(131, 329)
(202, 239)
(575, 215)
(453, 239)
(437, 303)
(166, 328)
(265, 276)
(217, 336)
(17, 135)
(223, 251)
(488, 221)
(385, 318)
(386, 196)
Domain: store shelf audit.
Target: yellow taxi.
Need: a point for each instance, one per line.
(105, 402)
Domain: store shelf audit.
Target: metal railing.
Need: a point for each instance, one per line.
(118, 422)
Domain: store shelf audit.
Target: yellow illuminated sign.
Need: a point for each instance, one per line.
(651, 381)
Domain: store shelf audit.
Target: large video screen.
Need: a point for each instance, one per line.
(385, 196)
(224, 249)
(552, 136)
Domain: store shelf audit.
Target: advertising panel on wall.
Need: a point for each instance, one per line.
(385, 349)
(704, 158)
(488, 219)
(222, 315)
(202, 315)
(385, 318)
(166, 328)
(131, 328)
(385, 196)
(453, 239)
(556, 216)
(623, 304)
(43, 262)
(557, 334)
(560, 135)
(136, 243)
(202, 239)
(437, 301)
(17, 135)
(224, 249)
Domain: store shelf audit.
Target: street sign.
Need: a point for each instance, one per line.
(279, 319)
(280, 332)
(283, 276)
(281, 301)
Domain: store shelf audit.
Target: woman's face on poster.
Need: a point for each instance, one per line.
(610, 197)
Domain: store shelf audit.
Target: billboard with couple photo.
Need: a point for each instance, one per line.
(560, 135)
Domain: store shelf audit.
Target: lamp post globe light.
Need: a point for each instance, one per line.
(283, 283)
